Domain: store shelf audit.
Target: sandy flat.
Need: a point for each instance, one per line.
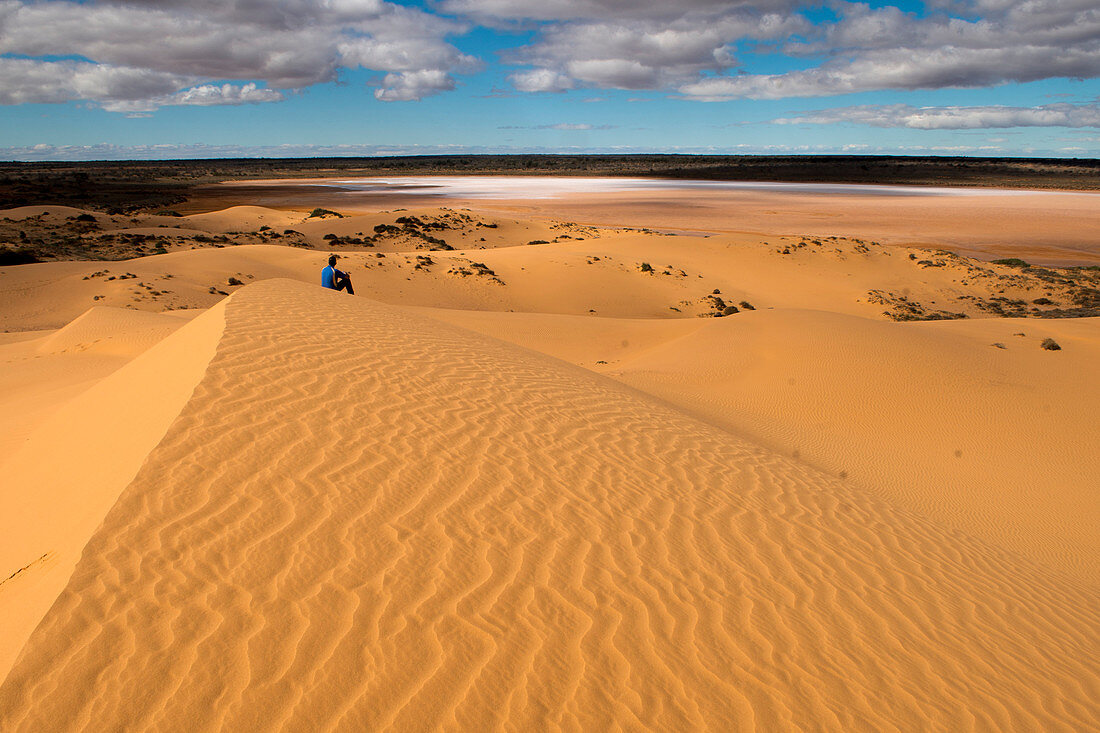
(1055, 227)
(533, 481)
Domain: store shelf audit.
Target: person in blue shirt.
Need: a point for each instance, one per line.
(336, 279)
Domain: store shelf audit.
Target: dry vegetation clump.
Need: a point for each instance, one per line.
(324, 214)
(901, 308)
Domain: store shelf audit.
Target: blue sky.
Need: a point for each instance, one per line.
(212, 78)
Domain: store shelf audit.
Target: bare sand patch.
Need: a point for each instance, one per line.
(62, 478)
(432, 540)
(710, 482)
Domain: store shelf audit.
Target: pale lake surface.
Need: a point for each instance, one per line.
(541, 187)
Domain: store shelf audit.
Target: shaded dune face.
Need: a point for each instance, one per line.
(364, 520)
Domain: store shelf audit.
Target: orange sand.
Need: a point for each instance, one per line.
(306, 511)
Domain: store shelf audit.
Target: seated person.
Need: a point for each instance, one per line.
(336, 279)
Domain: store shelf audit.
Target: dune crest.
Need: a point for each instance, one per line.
(64, 477)
(366, 519)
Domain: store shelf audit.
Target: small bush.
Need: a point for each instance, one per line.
(86, 217)
(235, 281)
(729, 310)
(1011, 262)
(1050, 345)
(322, 213)
(645, 267)
(747, 305)
(333, 237)
(17, 257)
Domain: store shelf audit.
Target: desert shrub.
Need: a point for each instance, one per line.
(322, 213)
(1011, 262)
(729, 310)
(1050, 345)
(86, 217)
(747, 305)
(17, 257)
(234, 281)
(645, 267)
(333, 237)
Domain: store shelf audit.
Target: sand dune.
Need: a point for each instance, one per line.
(47, 369)
(62, 478)
(998, 442)
(367, 519)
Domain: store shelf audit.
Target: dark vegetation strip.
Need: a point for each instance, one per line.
(131, 186)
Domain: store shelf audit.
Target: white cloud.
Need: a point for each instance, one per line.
(413, 85)
(28, 81)
(904, 68)
(289, 44)
(541, 80)
(643, 53)
(955, 118)
(689, 46)
(117, 89)
(604, 9)
(563, 126)
(205, 95)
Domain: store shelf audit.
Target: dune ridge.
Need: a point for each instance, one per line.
(366, 519)
(64, 476)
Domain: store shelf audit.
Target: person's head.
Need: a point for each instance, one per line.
(332, 260)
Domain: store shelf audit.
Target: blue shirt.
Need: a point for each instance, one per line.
(328, 277)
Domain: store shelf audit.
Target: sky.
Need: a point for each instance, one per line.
(154, 79)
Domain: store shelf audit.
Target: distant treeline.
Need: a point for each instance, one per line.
(142, 185)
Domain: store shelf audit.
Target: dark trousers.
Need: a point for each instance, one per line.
(343, 282)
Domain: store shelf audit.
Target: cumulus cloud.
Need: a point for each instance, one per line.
(117, 89)
(540, 80)
(644, 53)
(955, 118)
(29, 81)
(546, 10)
(875, 49)
(408, 86)
(193, 43)
(690, 46)
(565, 126)
(204, 95)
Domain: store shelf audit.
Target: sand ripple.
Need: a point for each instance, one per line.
(369, 520)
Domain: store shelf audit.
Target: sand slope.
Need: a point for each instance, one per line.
(61, 479)
(46, 370)
(998, 442)
(365, 519)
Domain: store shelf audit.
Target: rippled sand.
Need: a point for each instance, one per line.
(523, 486)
